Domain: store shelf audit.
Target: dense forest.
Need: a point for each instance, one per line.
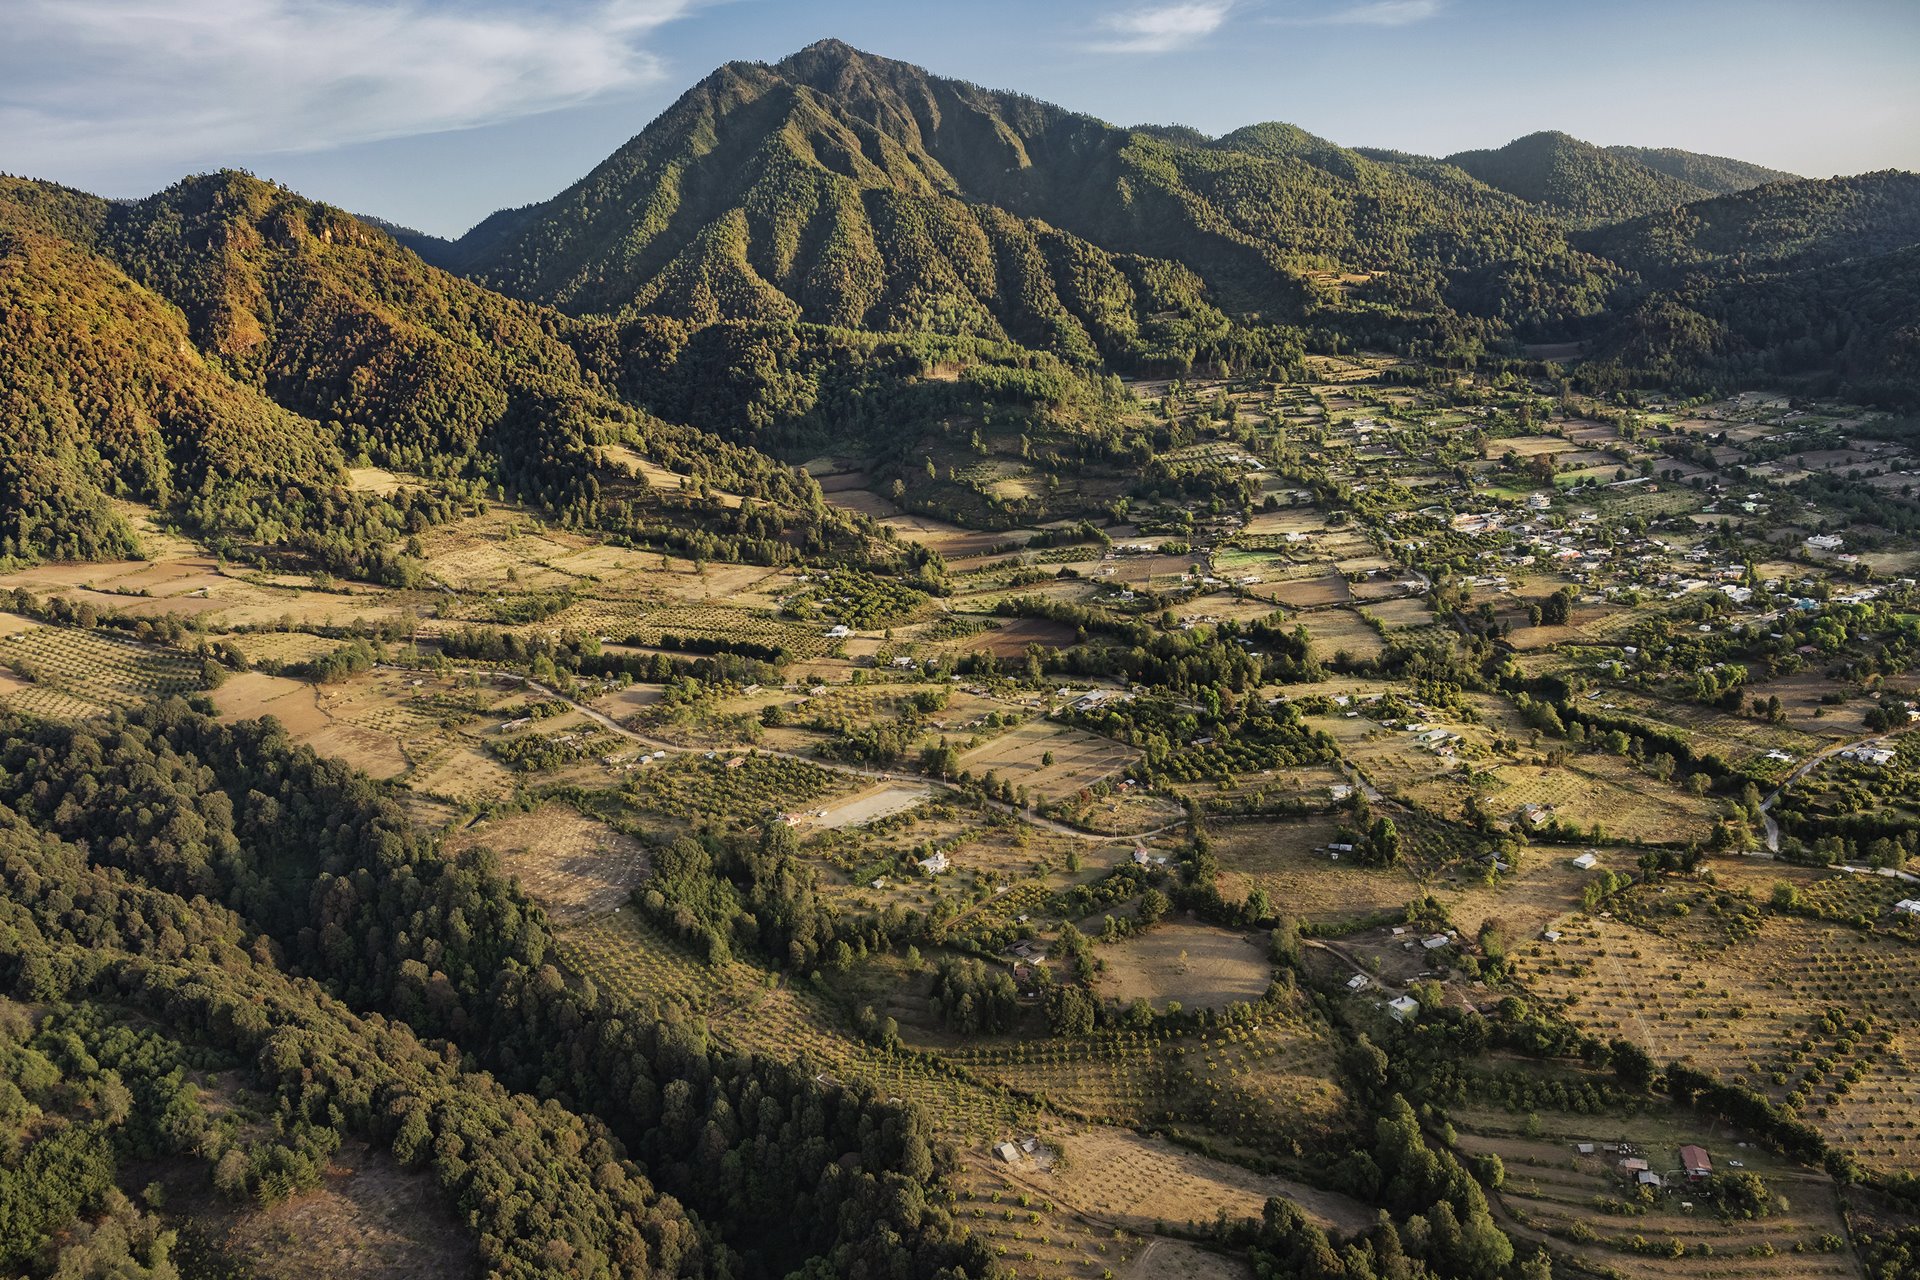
(183, 897)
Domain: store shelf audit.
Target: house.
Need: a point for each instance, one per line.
(938, 863)
(1007, 1151)
(1878, 757)
(839, 631)
(1586, 862)
(1435, 942)
(1405, 1008)
(1908, 906)
(1825, 542)
(1696, 1162)
(1357, 982)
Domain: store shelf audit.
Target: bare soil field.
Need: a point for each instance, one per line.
(1308, 593)
(867, 806)
(371, 721)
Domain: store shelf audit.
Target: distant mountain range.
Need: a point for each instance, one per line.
(790, 246)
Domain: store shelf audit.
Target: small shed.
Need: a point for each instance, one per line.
(1586, 862)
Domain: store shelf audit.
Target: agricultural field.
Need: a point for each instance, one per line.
(1050, 760)
(1191, 966)
(1422, 734)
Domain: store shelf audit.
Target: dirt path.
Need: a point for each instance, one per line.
(852, 770)
(1800, 771)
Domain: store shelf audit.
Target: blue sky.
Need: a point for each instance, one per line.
(433, 113)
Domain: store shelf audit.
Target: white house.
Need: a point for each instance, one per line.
(1586, 862)
(1404, 1007)
(938, 863)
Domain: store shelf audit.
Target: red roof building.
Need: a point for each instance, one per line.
(1696, 1162)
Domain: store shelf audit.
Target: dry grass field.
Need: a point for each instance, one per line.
(1136, 1182)
(1198, 966)
(368, 1217)
(1333, 632)
(1599, 790)
(571, 864)
(1080, 759)
(1283, 858)
(1178, 1260)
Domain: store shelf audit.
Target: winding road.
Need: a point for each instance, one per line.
(1800, 771)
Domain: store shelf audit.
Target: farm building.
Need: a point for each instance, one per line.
(1878, 757)
(1696, 1161)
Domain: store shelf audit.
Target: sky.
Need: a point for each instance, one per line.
(434, 113)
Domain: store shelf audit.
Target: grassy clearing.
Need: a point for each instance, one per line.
(1079, 759)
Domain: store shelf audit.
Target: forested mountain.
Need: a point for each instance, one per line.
(222, 351)
(850, 190)
(1717, 174)
(178, 894)
(844, 188)
(1577, 180)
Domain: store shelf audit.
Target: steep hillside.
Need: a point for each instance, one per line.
(1718, 174)
(222, 349)
(848, 189)
(1789, 226)
(1576, 179)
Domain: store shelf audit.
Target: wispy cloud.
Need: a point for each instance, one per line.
(90, 85)
(1162, 28)
(1376, 13)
